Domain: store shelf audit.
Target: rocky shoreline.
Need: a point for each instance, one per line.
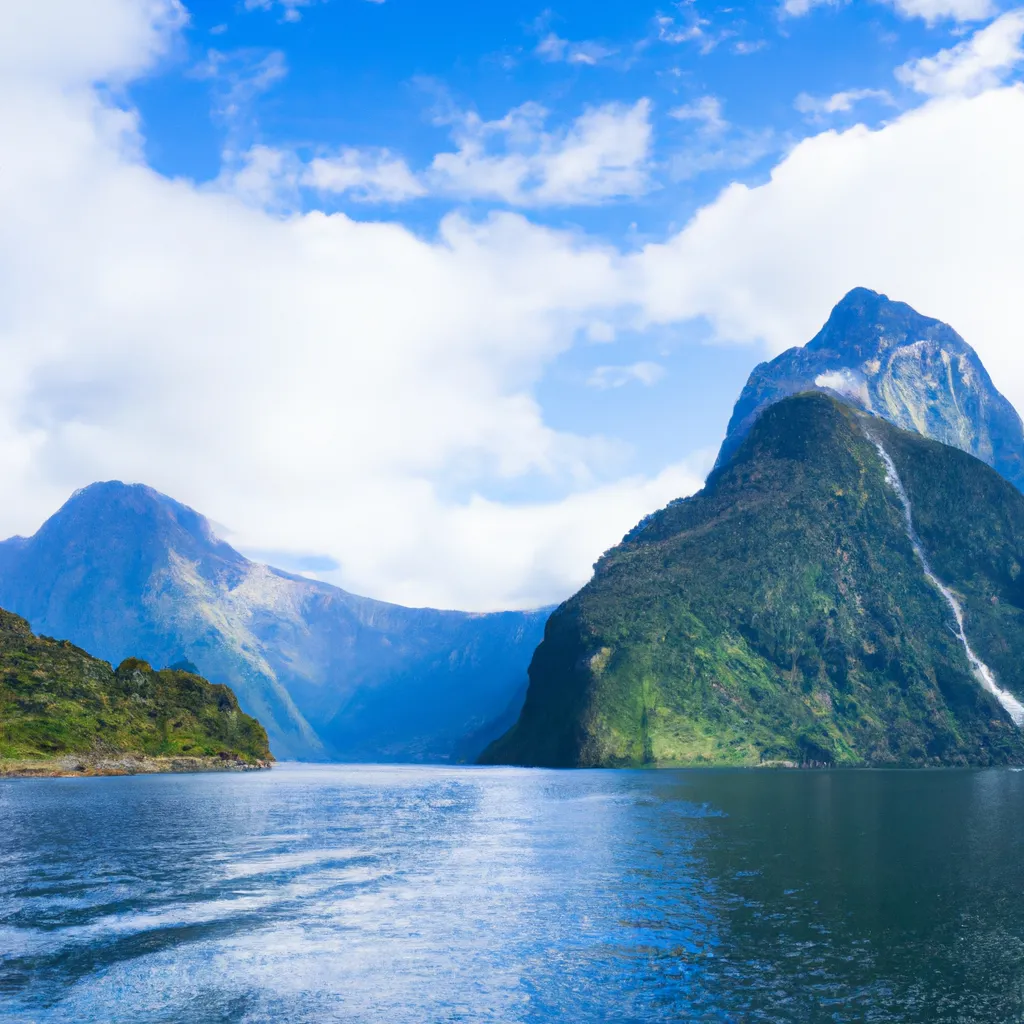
(89, 765)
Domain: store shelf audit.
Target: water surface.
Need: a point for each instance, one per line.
(408, 894)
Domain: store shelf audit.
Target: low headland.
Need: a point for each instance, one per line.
(66, 713)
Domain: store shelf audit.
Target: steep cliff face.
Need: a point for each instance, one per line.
(885, 358)
(123, 570)
(783, 615)
(57, 700)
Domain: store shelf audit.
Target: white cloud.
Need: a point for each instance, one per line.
(328, 385)
(291, 9)
(371, 175)
(707, 110)
(605, 377)
(554, 49)
(936, 10)
(315, 382)
(838, 103)
(715, 145)
(263, 176)
(930, 10)
(978, 63)
(691, 28)
(238, 78)
(602, 156)
(106, 39)
(928, 209)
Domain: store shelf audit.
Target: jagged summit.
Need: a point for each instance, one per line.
(886, 358)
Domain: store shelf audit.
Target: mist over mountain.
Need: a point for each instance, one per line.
(886, 358)
(123, 570)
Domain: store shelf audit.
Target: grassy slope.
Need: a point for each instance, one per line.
(55, 699)
(781, 615)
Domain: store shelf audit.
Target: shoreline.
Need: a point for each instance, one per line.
(77, 766)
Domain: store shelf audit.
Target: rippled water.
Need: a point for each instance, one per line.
(407, 894)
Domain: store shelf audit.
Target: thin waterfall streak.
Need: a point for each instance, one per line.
(984, 675)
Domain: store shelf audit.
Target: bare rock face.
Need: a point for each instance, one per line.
(885, 358)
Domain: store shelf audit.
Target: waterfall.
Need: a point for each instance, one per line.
(1013, 707)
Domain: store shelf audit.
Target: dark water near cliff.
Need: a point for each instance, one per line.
(318, 894)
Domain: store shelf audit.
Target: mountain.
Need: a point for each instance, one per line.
(916, 372)
(59, 703)
(123, 570)
(791, 612)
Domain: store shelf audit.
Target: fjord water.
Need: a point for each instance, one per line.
(410, 894)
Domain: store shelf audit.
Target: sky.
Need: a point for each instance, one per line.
(436, 302)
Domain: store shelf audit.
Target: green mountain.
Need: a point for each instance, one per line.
(791, 612)
(61, 709)
(886, 358)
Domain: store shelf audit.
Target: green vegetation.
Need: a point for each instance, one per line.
(781, 615)
(55, 700)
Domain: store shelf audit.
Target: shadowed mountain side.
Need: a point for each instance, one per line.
(121, 569)
(782, 615)
(884, 357)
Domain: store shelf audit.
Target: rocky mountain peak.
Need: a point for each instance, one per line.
(885, 358)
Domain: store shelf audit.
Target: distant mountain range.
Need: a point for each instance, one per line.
(842, 591)
(122, 570)
(786, 613)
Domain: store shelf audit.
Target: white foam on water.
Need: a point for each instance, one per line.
(1013, 707)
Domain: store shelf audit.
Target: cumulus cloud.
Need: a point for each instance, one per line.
(603, 155)
(370, 175)
(978, 63)
(351, 389)
(927, 209)
(316, 383)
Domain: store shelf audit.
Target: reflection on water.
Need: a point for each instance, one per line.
(408, 894)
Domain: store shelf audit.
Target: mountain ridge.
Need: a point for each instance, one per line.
(781, 614)
(123, 569)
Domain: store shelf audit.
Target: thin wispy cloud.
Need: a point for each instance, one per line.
(238, 78)
(819, 108)
(291, 10)
(930, 11)
(705, 111)
(604, 378)
(554, 49)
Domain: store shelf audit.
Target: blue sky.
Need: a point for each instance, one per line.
(448, 298)
(724, 83)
